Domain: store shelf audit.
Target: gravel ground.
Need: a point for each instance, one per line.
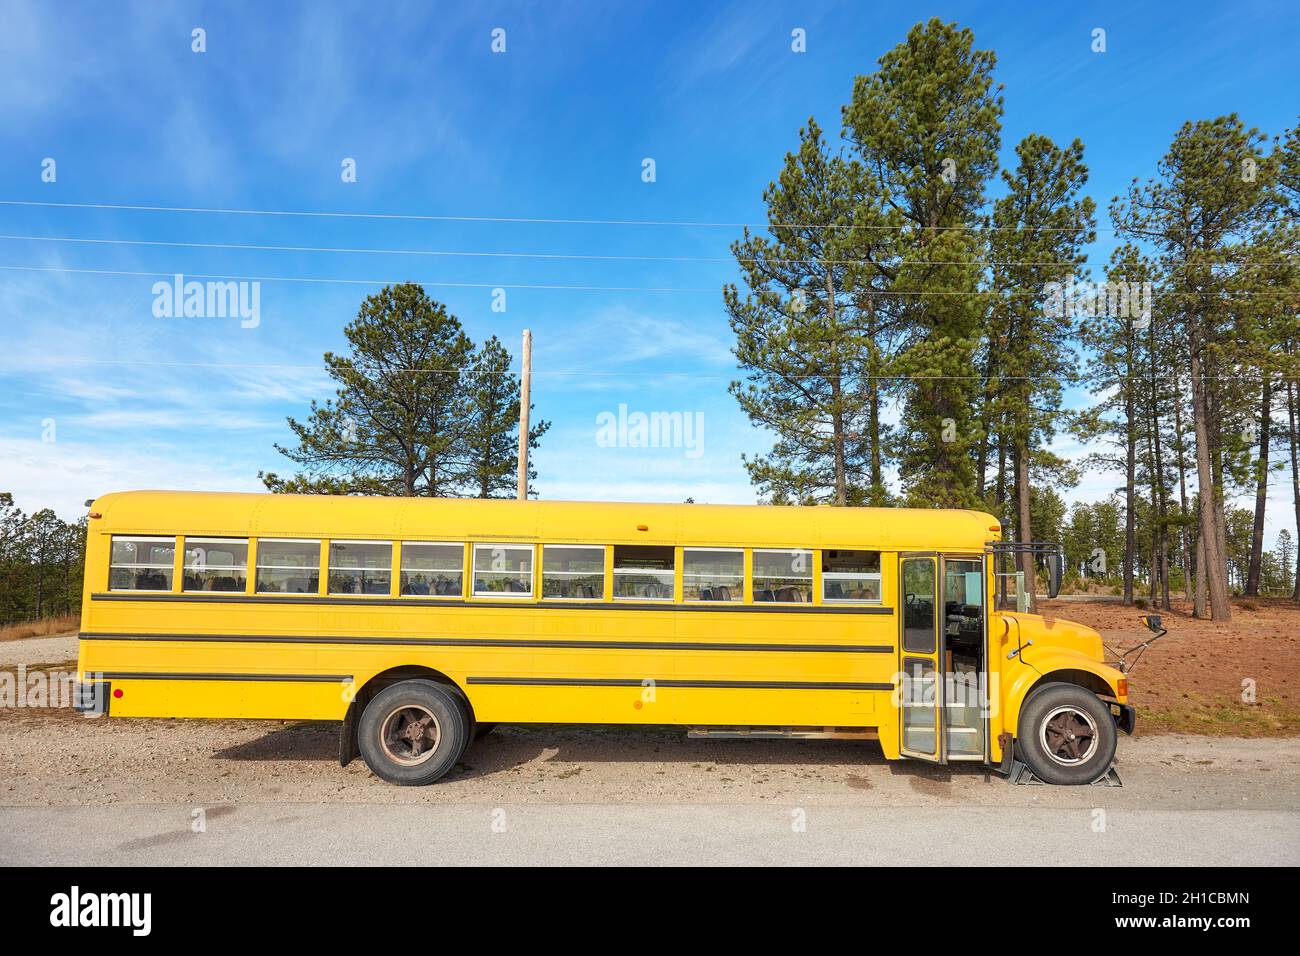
(38, 650)
(53, 758)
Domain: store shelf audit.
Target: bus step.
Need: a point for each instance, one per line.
(1023, 776)
(781, 733)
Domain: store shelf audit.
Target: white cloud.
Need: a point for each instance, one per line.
(62, 475)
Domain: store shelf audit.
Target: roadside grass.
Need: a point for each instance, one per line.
(1269, 717)
(46, 627)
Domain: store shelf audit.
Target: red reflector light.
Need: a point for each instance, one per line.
(118, 692)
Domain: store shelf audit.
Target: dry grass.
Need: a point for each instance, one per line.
(1239, 678)
(43, 628)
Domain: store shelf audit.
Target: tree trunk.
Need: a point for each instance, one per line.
(877, 496)
(1293, 435)
(1000, 491)
(1200, 600)
(1185, 530)
(1211, 538)
(1024, 533)
(837, 405)
(1261, 490)
(1160, 514)
(986, 420)
(1130, 492)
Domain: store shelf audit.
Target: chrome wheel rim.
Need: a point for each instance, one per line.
(1069, 736)
(410, 735)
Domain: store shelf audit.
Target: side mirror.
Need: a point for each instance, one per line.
(1152, 622)
(1055, 571)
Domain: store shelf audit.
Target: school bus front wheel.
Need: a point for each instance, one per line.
(1067, 734)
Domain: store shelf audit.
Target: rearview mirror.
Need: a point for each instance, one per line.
(1152, 621)
(1055, 571)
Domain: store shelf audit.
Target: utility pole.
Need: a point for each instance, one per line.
(525, 388)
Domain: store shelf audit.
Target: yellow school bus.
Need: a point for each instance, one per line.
(421, 623)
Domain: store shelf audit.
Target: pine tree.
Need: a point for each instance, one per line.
(399, 420)
(1039, 229)
(926, 127)
(807, 334)
(1203, 201)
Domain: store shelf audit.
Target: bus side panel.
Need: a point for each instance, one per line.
(283, 700)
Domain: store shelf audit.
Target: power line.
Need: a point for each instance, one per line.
(537, 220)
(332, 281)
(739, 374)
(567, 288)
(452, 253)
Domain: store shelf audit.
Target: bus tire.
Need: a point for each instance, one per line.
(413, 732)
(1066, 735)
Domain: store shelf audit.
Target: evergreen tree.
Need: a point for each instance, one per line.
(926, 127)
(806, 331)
(1039, 229)
(1203, 202)
(417, 411)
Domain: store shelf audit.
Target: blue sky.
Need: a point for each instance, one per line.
(554, 128)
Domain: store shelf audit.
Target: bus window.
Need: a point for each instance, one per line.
(573, 571)
(288, 566)
(215, 564)
(851, 576)
(141, 564)
(432, 568)
(361, 567)
(710, 574)
(783, 576)
(503, 570)
(643, 571)
(918, 606)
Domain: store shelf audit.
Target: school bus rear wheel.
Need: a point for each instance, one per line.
(413, 732)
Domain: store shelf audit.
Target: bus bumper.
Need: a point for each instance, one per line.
(91, 697)
(1125, 717)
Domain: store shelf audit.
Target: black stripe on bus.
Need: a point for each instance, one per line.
(499, 642)
(160, 675)
(225, 597)
(711, 684)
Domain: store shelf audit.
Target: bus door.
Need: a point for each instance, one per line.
(965, 707)
(921, 697)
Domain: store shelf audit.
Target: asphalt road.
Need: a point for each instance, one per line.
(161, 792)
(342, 834)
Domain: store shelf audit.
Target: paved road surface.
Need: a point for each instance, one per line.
(341, 834)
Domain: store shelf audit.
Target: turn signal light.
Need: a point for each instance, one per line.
(1121, 686)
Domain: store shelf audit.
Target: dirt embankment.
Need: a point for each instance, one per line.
(1239, 677)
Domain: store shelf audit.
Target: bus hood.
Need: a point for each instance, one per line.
(1055, 632)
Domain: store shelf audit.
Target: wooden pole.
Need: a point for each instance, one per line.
(525, 389)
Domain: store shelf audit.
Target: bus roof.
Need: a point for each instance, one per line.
(469, 519)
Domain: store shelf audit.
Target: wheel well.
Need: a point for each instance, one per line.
(347, 738)
(405, 672)
(1085, 679)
